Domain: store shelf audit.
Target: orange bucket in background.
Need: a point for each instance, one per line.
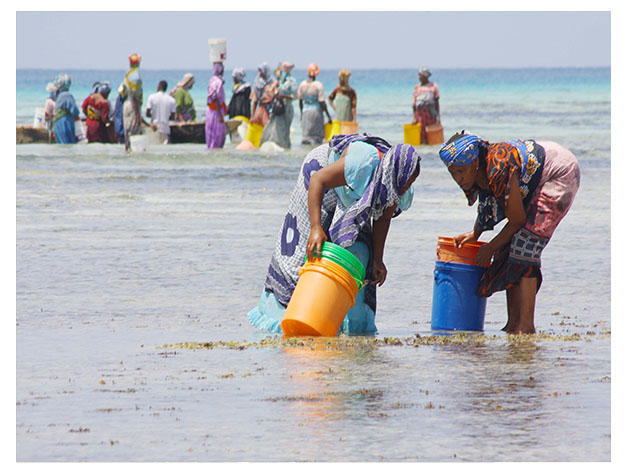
(435, 134)
(348, 128)
(447, 252)
(324, 293)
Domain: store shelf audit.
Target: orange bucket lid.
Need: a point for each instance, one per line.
(447, 252)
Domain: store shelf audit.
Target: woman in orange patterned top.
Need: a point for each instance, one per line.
(533, 185)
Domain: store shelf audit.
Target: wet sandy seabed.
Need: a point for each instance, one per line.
(121, 260)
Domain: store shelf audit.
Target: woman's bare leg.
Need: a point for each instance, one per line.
(528, 288)
(513, 309)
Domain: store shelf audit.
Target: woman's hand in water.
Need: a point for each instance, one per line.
(316, 237)
(464, 238)
(380, 273)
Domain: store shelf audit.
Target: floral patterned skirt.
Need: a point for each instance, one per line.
(549, 204)
(425, 118)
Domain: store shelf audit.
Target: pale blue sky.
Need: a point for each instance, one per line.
(178, 40)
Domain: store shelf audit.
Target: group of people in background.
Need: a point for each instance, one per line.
(266, 102)
(107, 124)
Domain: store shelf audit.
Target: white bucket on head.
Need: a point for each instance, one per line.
(217, 50)
(39, 122)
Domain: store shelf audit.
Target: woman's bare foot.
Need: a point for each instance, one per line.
(509, 327)
(524, 330)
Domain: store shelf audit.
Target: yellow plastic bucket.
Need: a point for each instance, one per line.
(253, 134)
(435, 134)
(324, 293)
(243, 118)
(411, 134)
(334, 128)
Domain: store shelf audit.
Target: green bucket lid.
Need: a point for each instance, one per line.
(346, 259)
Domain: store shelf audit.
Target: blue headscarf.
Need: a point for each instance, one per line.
(104, 88)
(262, 80)
(60, 84)
(462, 151)
(239, 74)
(398, 164)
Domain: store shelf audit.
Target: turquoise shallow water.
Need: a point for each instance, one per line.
(119, 255)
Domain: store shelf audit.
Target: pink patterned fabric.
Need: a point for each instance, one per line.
(419, 89)
(424, 104)
(555, 193)
(521, 257)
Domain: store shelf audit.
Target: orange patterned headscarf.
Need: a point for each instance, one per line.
(313, 69)
(344, 75)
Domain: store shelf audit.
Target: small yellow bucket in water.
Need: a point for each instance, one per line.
(334, 128)
(348, 128)
(243, 118)
(411, 134)
(253, 134)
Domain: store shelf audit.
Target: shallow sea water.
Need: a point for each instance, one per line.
(122, 259)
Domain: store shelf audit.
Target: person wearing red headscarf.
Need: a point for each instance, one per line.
(132, 92)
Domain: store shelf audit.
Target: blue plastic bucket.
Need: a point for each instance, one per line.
(456, 305)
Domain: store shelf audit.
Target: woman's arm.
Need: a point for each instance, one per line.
(437, 109)
(331, 97)
(218, 107)
(324, 109)
(330, 176)
(137, 110)
(379, 234)
(75, 110)
(252, 114)
(516, 219)
(104, 112)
